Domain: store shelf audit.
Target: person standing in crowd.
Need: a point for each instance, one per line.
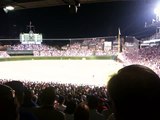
(46, 111)
(61, 107)
(19, 88)
(92, 101)
(8, 104)
(82, 112)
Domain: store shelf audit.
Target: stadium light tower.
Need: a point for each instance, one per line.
(156, 21)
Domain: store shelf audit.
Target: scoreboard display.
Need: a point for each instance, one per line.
(30, 38)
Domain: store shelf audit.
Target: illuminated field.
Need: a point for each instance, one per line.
(91, 72)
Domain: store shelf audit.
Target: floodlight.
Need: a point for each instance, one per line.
(157, 9)
(157, 12)
(10, 8)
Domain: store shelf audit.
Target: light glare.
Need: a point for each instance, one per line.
(157, 12)
(9, 7)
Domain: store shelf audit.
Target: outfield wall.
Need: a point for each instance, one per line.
(19, 58)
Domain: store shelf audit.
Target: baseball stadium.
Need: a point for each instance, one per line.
(79, 59)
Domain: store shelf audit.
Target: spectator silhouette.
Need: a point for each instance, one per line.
(93, 104)
(61, 106)
(46, 111)
(19, 95)
(19, 90)
(81, 112)
(8, 105)
(28, 99)
(135, 93)
(70, 109)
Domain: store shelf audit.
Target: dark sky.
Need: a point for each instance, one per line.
(92, 20)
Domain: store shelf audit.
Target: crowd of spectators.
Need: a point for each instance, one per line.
(132, 93)
(39, 98)
(148, 56)
(3, 54)
(86, 48)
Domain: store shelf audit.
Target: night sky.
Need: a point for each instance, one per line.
(91, 20)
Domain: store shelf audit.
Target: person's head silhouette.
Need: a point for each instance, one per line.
(8, 106)
(135, 93)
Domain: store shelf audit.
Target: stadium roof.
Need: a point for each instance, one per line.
(27, 4)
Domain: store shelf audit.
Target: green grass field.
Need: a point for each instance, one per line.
(16, 58)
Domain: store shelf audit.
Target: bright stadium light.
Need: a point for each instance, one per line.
(10, 8)
(157, 12)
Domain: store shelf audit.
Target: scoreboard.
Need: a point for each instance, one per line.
(30, 38)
